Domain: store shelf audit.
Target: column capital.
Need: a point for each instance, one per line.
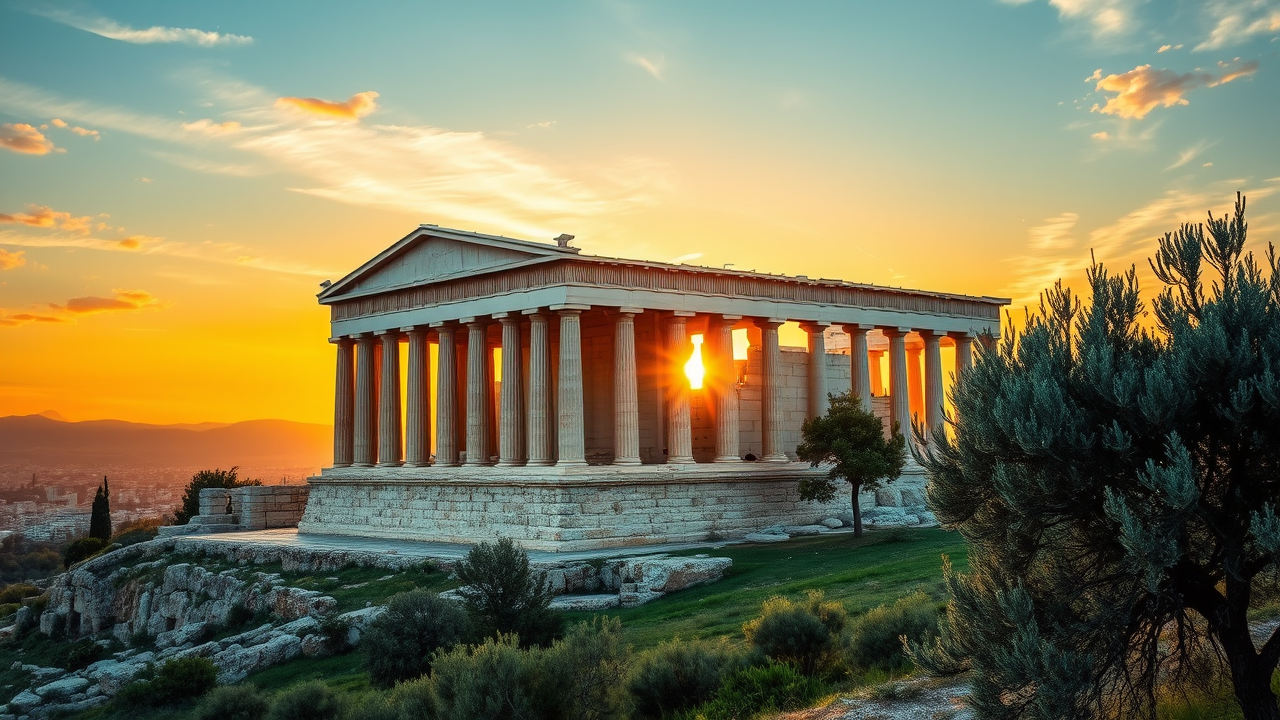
(384, 333)
(773, 322)
(570, 308)
(342, 340)
(508, 318)
(962, 335)
(814, 326)
(729, 318)
(361, 336)
(851, 328)
(891, 331)
(414, 329)
(442, 324)
(930, 334)
(474, 320)
(631, 310)
(532, 311)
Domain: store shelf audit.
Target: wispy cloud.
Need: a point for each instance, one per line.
(11, 260)
(1167, 48)
(353, 108)
(209, 127)
(1102, 18)
(155, 34)
(1047, 257)
(1238, 22)
(15, 319)
(1101, 136)
(1142, 89)
(82, 132)
(653, 66)
(121, 300)
(42, 216)
(1190, 154)
(25, 139)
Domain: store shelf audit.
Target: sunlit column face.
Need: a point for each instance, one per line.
(694, 369)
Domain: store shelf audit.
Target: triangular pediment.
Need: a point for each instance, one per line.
(432, 254)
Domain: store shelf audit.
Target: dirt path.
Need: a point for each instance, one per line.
(915, 699)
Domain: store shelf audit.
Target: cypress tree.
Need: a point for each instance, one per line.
(1117, 485)
(100, 519)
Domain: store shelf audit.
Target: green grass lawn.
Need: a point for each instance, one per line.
(862, 573)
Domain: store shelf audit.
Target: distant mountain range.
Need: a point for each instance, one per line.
(49, 439)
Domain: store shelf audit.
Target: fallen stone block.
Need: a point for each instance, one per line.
(794, 530)
(833, 523)
(25, 701)
(62, 688)
(585, 603)
(765, 537)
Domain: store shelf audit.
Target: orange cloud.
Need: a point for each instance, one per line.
(24, 318)
(1142, 89)
(23, 138)
(123, 300)
(46, 217)
(83, 132)
(209, 127)
(356, 107)
(11, 260)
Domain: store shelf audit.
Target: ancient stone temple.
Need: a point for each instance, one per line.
(491, 387)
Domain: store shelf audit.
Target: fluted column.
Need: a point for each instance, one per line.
(344, 400)
(539, 435)
(679, 423)
(626, 394)
(915, 383)
(389, 438)
(860, 364)
(446, 396)
(877, 377)
(724, 384)
(818, 402)
(365, 452)
(933, 398)
(571, 431)
(417, 433)
(478, 379)
(511, 400)
(771, 394)
(964, 352)
(899, 402)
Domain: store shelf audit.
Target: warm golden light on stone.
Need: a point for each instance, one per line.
(694, 369)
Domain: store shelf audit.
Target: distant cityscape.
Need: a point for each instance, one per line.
(52, 504)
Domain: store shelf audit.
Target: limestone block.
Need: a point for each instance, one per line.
(25, 701)
(765, 537)
(911, 497)
(62, 688)
(794, 530)
(888, 497)
(585, 603)
(669, 574)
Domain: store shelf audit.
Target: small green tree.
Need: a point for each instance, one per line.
(100, 518)
(851, 440)
(207, 479)
(1118, 487)
(505, 595)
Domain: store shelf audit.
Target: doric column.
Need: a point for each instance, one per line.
(446, 395)
(964, 352)
(539, 390)
(915, 384)
(478, 359)
(771, 394)
(724, 384)
(511, 401)
(877, 377)
(571, 430)
(389, 440)
(344, 403)
(679, 424)
(366, 423)
(860, 364)
(933, 400)
(626, 394)
(417, 433)
(898, 399)
(818, 403)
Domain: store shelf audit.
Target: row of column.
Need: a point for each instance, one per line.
(367, 429)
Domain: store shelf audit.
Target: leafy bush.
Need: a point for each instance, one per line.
(18, 592)
(588, 668)
(806, 634)
(875, 638)
(233, 702)
(21, 559)
(399, 644)
(505, 595)
(309, 701)
(173, 682)
(335, 631)
(82, 549)
(747, 692)
(679, 675)
(207, 479)
(493, 680)
(78, 655)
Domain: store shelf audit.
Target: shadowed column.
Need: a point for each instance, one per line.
(626, 394)
(817, 368)
(446, 396)
(964, 352)
(511, 400)
(679, 425)
(724, 382)
(344, 398)
(571, 434)
(860, 364)
(899, 402)
(389, 442)
(539, 390)
(771, 393)
(366, 423)
(478, 359)
(933, 407)
(417, 445)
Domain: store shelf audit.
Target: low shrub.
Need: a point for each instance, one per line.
(773, 686)
(493, 680)
(335, 631)
(82, 549)
(505, 595)
(79, 655)
(678, 675)
(400, 643)
(807, 633)
(133, 537)
(588, 668)
(875, 638)
(233, 702)
(8, 609)
(894, 690)
(174, 681)
(18, 592)
(309, 701)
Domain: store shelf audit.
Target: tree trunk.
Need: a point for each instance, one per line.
(1250, 681)
(857, 512)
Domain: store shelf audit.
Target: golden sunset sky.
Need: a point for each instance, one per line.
(176, 179)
